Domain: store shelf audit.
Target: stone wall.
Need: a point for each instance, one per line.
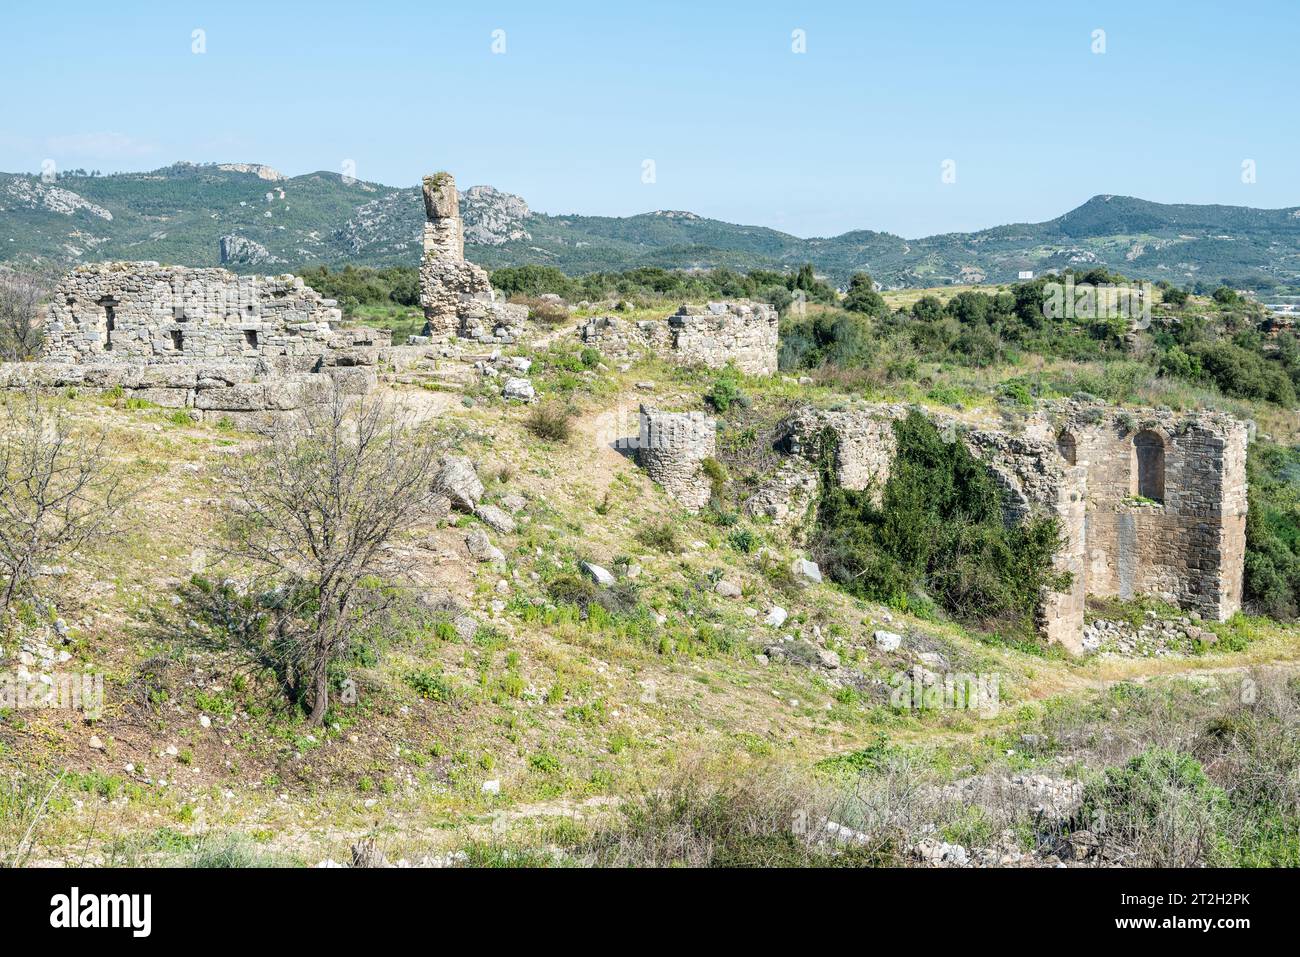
(1080, 464)
(1037, 482)
(672, 447)
(456, 295)
(1184, 542)
(141, 312)
(252, 396)
(742, 333)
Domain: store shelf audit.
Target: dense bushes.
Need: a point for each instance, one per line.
(825, 338)
(1272, 569)
(937, 534)
(355, 286)
(1161, 806)
(653, 283)
(1241, 373)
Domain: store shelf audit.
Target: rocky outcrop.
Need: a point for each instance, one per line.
(35, 194)
(242, 251)
(259, 170)
(493, 218)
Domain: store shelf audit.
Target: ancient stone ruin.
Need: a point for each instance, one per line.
(252, 350)
(742, 333)
(1166, 502)
(1150, 502)
(456, 295)
(141, 312)
(672, 447)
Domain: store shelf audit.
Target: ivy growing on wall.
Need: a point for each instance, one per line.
(935, 535)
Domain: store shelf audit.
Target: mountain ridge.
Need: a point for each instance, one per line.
(248, 215)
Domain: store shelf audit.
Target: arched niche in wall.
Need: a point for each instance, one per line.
(1149, 465)
(1068, 447)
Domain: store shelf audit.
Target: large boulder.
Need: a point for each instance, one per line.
(495, 519)
(480, 547)
(458, 480)
(601, 576)
(518, 390)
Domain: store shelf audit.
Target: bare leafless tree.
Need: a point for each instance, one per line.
(20, 328)
(58, 491)
(316, 509)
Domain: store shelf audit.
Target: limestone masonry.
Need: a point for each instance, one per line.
(141, 312)
(743, 333)
(1150, 502)
(672, 447)
(252, 350)
(457, 295)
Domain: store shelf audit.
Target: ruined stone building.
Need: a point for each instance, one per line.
(456, 295)
(1166, 497)
(144, 313)
(253, 350)
(742, 333)
(672, 447)
(1150, 502)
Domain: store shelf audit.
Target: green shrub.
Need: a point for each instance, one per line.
(1243, 374)
(1272, 565)
(1160, 806)
(938, 533)
(725, 391)
(661, 536)
(550, 421)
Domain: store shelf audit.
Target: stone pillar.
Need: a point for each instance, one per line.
(454, 294)
(444, 234)
(672, 447)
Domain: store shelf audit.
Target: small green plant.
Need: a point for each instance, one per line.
(743, 540)
(661, 536)
(725, 391)
(551, 422)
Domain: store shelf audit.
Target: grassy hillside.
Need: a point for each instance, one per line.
(508, 712)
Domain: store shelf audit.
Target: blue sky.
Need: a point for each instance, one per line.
(850, 134)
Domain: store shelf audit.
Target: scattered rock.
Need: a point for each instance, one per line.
(776, 616)
(95, 743)
(466, 626)
(492, 787)
(941, 854)
(459, 482)
(806, 571)
(727, 589)
(514, 503)
(888, 640)
(496, 519)
(481, 548)
(518, 390)
(601, 576)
